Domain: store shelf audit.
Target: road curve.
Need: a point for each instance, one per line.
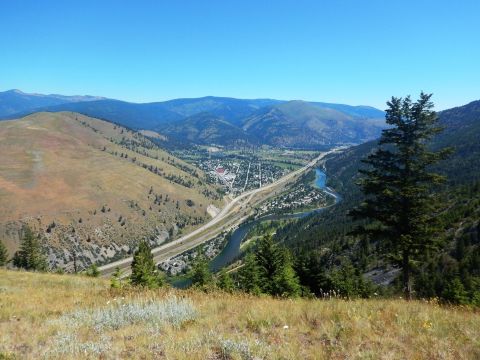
(180, 245)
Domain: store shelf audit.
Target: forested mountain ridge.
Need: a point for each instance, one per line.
(301, 124)
(230, 109)
(135, 116)
(462, 133)
(207, 129)
(15, 101)
(148, 116)
(454, 273)
(295, 124)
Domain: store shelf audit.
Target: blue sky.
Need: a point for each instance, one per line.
(354, 52)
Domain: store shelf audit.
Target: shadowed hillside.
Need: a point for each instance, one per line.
(15, 101)
(205, 128)
(93, 189)
(301, 124)
(458, 261)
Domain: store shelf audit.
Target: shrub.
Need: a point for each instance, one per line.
(201, 275)
(93, 271)
(153, 313)
(144, 272)
(116, 281)
(3, 254)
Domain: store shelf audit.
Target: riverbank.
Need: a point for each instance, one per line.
(232, 246)
(232, 249)
(233, 213)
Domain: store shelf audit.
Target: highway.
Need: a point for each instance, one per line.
(231, 215)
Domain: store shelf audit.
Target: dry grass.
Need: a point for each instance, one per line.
(60, 316)
(53, 167)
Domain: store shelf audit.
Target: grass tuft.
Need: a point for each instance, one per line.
(171, 311)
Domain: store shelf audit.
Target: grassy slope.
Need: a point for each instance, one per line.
(32, 304)
(53, 168)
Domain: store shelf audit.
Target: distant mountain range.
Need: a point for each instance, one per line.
(15, 101)
(218, 120)
(311, 124)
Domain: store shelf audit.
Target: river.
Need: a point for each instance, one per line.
(232, 250)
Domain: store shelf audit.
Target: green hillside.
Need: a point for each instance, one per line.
(457, 264)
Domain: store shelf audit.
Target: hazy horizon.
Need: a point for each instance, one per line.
(232, 97)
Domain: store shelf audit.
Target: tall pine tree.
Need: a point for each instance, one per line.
(144, 272)
(248, 277)
(30, 255)
(399, 187)
(275, 269)
(267, 258)
(225, 281)
(285, 280)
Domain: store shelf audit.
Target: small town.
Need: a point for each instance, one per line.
(301, 197)
(238, 172)
(238, 175)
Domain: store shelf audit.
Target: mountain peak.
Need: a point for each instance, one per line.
(15, 91)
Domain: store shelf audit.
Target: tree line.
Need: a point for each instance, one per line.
(268, 269)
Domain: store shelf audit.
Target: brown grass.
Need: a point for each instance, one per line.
(53, 168)
(230, 326)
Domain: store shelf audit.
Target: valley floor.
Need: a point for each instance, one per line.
(64, 316)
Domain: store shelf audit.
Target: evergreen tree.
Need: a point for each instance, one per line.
(285, 280)
(115, 280)
(144, 272)
(30, 255)
(455, 292)
(311, 273)
(267, 258)
(275, 269)
(399, 187)
(201, 275)
(3, 254)
(225, 281)
(348, 282)
(248, 275)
